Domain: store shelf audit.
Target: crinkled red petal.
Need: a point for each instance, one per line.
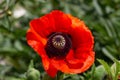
(56, 21)
(72, 61)
(52, 71)
(89, 61)
(62, 21)
(37, 44)
(81, 35)
(44, 26)
(74, 65)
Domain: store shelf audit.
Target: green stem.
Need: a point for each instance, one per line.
(8, 22)
(59, 76)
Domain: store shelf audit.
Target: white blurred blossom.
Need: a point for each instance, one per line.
(19, 12)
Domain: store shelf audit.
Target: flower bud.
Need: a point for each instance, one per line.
(33, 74)
(9, 13)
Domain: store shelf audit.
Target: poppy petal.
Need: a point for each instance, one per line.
(35, 42)
(62, 21)
(56, 21)
(72, 61)
(60, 65)
(85, 38)
(44, 26)
(70, 66)
(87, 57)
(32, 35)
(88, 62)
(52, 71)
(82, 53)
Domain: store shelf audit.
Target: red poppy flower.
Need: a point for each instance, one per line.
(64, 43)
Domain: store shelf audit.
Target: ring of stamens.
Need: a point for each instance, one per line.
(58, 41)
(58, 45)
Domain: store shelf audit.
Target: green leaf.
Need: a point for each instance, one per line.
(12, 78)
(115, 69)
(108, 54)
(92, 72)
(99, 73)
(107, 68)
(97, 7)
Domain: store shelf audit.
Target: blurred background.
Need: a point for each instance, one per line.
(101, 16)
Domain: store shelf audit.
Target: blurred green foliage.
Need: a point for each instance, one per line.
(101, 16)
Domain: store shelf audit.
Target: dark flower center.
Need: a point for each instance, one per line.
(58, 45)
